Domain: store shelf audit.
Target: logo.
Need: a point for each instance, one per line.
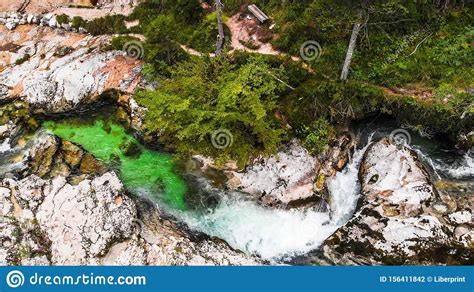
(134, 49)
(310, 50)
(222, 139)
(15, 279)
(400, 138)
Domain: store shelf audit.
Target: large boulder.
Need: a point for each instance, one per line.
(401, 218)
(58, 71)
(283, 180)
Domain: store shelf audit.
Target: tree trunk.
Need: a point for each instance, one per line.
(350, 51)
(220, 36)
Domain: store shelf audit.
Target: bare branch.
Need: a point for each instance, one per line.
(417, 46)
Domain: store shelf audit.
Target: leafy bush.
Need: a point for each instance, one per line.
(316, 136)
(78, 21)
(161, 50)
(338, 102)
(23, 59)
(62, 19)
(109, 24)
(204, 37)
(449, 118)
(205, 96)
(190, 26)
(185, 12)
(119, 42)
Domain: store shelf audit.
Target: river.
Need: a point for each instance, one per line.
(276, 235)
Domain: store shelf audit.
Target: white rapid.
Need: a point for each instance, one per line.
(461, 168)
(276, 234)
(344, 188)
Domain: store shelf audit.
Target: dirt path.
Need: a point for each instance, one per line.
(241, 31)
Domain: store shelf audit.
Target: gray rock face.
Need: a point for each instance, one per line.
(285, 179)
(13, 19)
(82, 220)
(398, 221)
(52, 81)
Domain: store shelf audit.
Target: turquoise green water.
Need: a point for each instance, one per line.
(148, 172)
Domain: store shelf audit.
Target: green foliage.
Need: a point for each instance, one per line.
(185, 12)
(316, 136)
(109, 24)
(78, 21)
(335, 101)
(190, 25)
(439, 116)
(204, 96)
(119, 42)
(204, 37)
(161, 50)
(432, 58)
(393, 31)
(23, 59)
(403, 43)
(62, 19)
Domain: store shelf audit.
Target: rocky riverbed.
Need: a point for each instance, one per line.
(401, 217)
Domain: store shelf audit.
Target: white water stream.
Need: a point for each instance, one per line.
(276, 234)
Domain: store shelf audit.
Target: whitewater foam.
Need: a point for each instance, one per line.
(344, 188)
(269, 233)
(276, 234)
(461, 168)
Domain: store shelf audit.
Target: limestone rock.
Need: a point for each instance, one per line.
(283, 180)
(397, 222)
(83, 220)
(52, 82)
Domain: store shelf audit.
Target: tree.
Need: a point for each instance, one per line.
(353, 41)
(220, 36)
(209, 97)
(160, 47)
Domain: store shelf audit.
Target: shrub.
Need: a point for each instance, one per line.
(23, 59)
(207, 96)
(118, 42)
(161, 50)
(63, 19)
(316, 136)
(109, 24)
(78, 21)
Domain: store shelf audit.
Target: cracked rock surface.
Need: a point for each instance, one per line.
(56, 71)
(401, 218)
